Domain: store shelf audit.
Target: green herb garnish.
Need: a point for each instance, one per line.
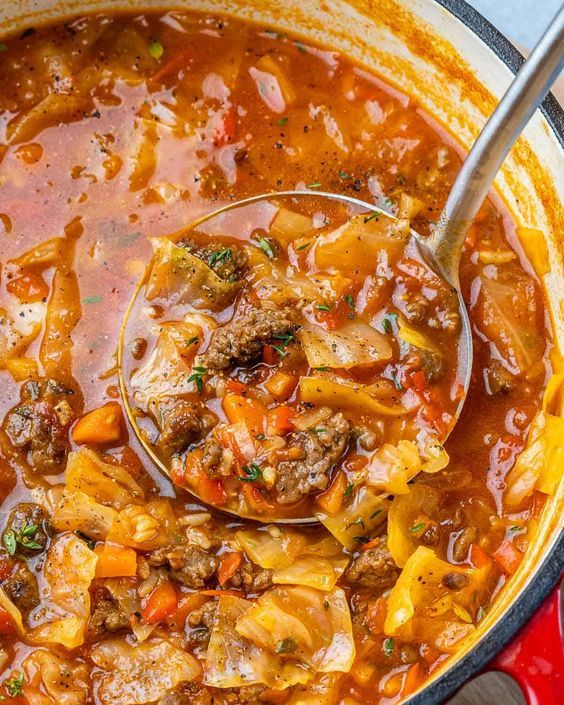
(282, 121)
(197, 376)
(14, 685)
(389, 645)
(344, 175)
(253, 473)
(375, 514)
(156, 49)
(316, 184)
(24, 537)
(220, 256)
(300, 47)
(9, 541)
(192, 340)
(349, 299)
(323, 307)
(266, 247)
(287, 645)
(387, 322)
(303, 247)
(372, 216)
(321, 369)
(396, 382)
(87, 540)
(356, 522)
(92, 299)
(417, 527)
(348, 491)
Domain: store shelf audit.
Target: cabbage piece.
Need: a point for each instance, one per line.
(108, 484)
(13, 341)
(355, 344)
(357, 519)
(412, 336)
(444, 634)
(312, 571)
(77, 511)
(179, 277)
(62, 616)
(233, 661)
(404, 510)
(145, 527)
(391, 467)
(168, 368)
(302, 289)
(124, 592)
(8, 606)
(140, 673)
(362, 242)
(506, 313)
(326, 392)
(288, 226)
(54, 680)
(269, 552)
(419, 593)
(54, 109)
(540, 464)
(309, 625)
(323, 690)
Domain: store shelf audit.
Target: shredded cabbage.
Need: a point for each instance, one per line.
(312, 626)
(357, 519)
(312, 571)
(412, 336)
(325, 392)
(355, 344)
(124, 592)
(324, 690)
(54, 680)
(134, 674)
(233, 661)
(270, 552)
(64, 611)
(179, 277)
(421, 499)
(77, 511)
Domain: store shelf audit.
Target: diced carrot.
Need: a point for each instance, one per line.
(7, 624)
(22, 368)
(254, 499)
(115, 561)
(161, 603)
(228, 566)
(233, 385)
(376, 615)
(418, 381)
(413, 678)
(252, 412)
(478, 557)
(102, 425)
(330, 319)
(430, 653)
(29, 288)
(508, 557)
(332, 499)
(281, 385)
(227, 131)
(539, 500)
(369, 544)
(279, 420)
(210, 490)
(270, 356)
(237, 437)
(186, 605)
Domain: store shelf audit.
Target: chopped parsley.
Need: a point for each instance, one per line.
(303, 247)
(156, 49)
(192, 340)
(319, 429)
(285, 340)
(323, 307)
(321, 369)
(372, 216)
(282, 121)
(300, 47)
(24, 537)
(387, 322)
(348, 490)
(92, 299)
(316, 184)
(260, 437)
(349, 299)
(356, 522)
(514, 530)
(266, 247)
(197, 376)
(253, 473)
(344, 175)
(88, 541)
(14, 685)
(220, 256)
(287, 645)
(389, 645)
(375, 514)
(415, 529)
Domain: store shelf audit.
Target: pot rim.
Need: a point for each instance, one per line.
(550, 570)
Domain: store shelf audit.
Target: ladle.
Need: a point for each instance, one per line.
(443, 248)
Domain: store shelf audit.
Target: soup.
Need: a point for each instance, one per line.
(274, 366)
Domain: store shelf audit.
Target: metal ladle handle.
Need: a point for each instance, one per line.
(526, 92)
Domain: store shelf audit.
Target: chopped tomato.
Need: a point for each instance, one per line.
(256, 502)
(210, 490)
(101, 425)
(270, 356)
(228, 566)
(186, 605)
(279, 420)
(508, 557)
(233, 385)
(7, 624)
(418, 381)
(478, 557)
(115, 561)
(161, 603)
(332, 499)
